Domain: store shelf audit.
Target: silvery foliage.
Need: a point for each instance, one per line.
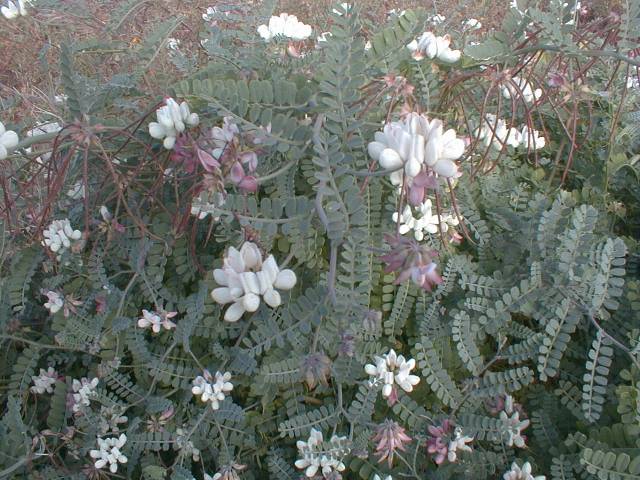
(518, 360)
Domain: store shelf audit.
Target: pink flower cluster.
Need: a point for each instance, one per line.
(413, 261)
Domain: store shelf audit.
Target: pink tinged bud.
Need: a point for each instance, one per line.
(209, 163)
(250, 159)
(249, 184)
(237, 173)
(416, 195)
(293, 51)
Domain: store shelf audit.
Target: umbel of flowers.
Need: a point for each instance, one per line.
(417, 146)
(173, 119)
(212, 389)
(60, 237)
(432, 46)
(284, 25)
(318, 455)
(391, 370)
(8, 141)
(109, 453)
(246, 278)
(445, 442)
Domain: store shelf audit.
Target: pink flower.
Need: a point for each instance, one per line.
(412, 260)
(437, 445)
(390, 437)
(207, 161)
(419, 185)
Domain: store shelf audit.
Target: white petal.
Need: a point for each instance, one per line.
(222, 295)
(375, 149)
(285, 280)
(390, 159)
(445, 168)
(156, 130)
(251, 302)
(272, 298)
(234, 312)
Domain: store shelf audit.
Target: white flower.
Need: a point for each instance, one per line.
(393, 369)
(212, 389)
(345, 8)
(157, 321)
(531, 139)
(41, 129)
(396, 13)
(319, 455)
(471, 24)
(521, 88)
(524, 473)
(84, 389)
(406, 220)
(60, 236)
(415, 143)
(76, 192)
(173, 119)
(377, 477)
(494, 131)
(15, 8)
(367, 46)
(437, 19)
(431, 46)
(459, 443)
(323, 37)
(633, 82)
(173, 43)
(8, 140)
(284, 25)
(245, 278)
(109, 453)
(55, 302)
(111, 419)
(512, 424)
(186, 446)
(44, 381)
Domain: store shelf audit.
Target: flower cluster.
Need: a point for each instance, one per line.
(83, 390)
(109, 453)
(510, 417)
(245, 277)
(524, 473)
(212, 389)
(60, 237)
(390, 436)
(413, 261)
(445, 442)
(8, 141)
(14, 9)
(157, 321)
(318, 455)
(471, 24)
(520, 87)
(432, 46)
(185, 445)
(232, 158)
(173, 119)
(417, 145)
(227, 472)
(494, 132)
(284, 25)
(426, 223)
(44, 381)
(54, 302)
(111, 419)
(391, 370)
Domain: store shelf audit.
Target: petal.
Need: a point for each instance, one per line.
(220, 277)
(375, 149)
(389, 159)
(251, 302)
(234, 312)
(9, 139)
(445, 168)
(285, 280)
(222, 295)
(272, 298)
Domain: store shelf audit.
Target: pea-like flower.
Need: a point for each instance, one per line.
(173, 119)
(54, 302)
(416, 144)
(392, 369)
(413, 261)
(44, 381)
(245, 278)
(510, 417)
(284, 25)
(84, 390)
(389, 437)
(109, 453)
(8, 138)
(156, 320)
(520, 87)
(320, 455)
(60, 237)
(521, 473)
(15, 9)
(432, 46)
(212, 389)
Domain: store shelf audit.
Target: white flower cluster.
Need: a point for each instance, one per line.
(109, 453)
(432, 46)
(524, 473)
(494, 131)
(316, 455)
(44, 381)
(111, 419)
(83, 389)
(15, 8)
(42, 129)
(426, 223)
(437, 19)
(512, 423)
(186, 446)
(415, 143)
(245, 277)
(521, 88)
(378, 477)
(471, 24)
(8, 141)
(284, 25)
(157, 321)
(458, 444)
(76, 192)
(212, 389)
(54, 302)
(60, 236)
(173, 119)
(393, 369)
